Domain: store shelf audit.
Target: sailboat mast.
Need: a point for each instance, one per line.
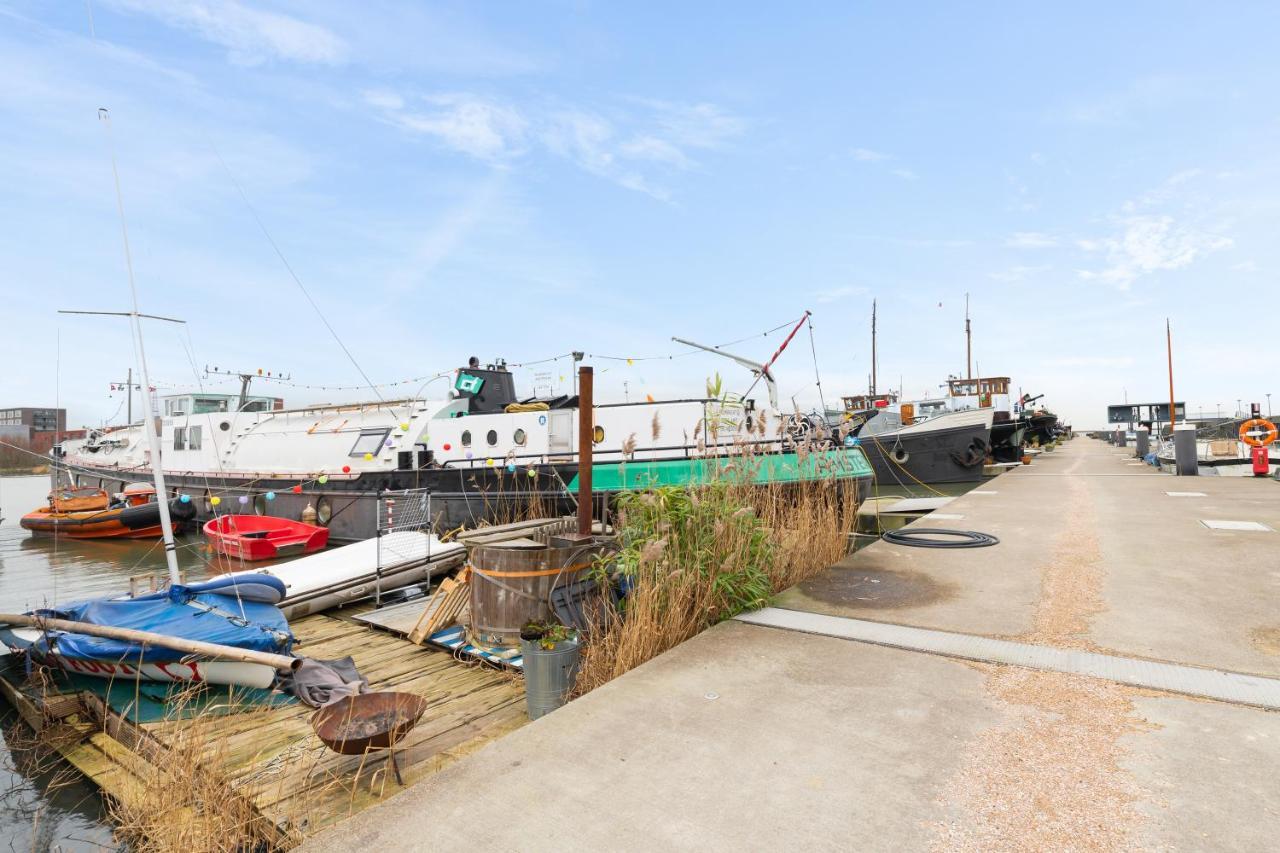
(150, 413)
(968, 340)
(1168, 337)
(873, 347)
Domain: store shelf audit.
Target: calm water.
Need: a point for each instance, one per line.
(40, 809)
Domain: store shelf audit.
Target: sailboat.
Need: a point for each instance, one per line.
(236, 614)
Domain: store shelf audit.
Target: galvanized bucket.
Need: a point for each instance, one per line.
(548, 674)
(511, 585)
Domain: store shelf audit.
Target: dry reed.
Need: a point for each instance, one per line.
(692, 557)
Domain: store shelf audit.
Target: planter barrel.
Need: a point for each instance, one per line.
(548, 675)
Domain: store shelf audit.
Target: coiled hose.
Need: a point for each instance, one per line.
(926, 537)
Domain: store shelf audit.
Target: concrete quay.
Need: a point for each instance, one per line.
(751, 736)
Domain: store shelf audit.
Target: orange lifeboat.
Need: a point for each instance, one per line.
(80, 513)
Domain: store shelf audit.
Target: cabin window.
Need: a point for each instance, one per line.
(519, 437)
(193, 438)
(466, 438)
(179, 438)
(324, 512)
(370, 441)
(492, 437)
(224, 426)
(260, 504)
(597, 435)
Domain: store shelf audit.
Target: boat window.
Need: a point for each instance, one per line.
(370, 441)
(597, 435)
(492, 437)
(466, 438)
(179, 438)
(324, 512)
(193, 438)
(208, 501)
(260, 504)
(519, 437)
(224, 426)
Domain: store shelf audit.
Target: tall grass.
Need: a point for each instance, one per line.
(693, 556)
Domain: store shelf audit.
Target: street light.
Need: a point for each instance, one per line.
(1268, 405)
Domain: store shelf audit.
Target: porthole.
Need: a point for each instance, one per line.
(324, 512)
(224, 425)
(519, 437)
(492, 437)
(466, 438)
(208, 504)
(597, 435)
(260, 504)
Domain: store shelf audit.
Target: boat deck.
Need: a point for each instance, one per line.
(268, 755)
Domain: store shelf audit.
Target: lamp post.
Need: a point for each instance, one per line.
(1268, 405)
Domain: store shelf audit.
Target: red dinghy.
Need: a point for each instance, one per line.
(263, 537)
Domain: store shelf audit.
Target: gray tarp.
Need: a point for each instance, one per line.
(322, 682)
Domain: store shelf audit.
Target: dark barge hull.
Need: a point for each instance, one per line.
(1007, 438)
(460, 497)
(948, 455)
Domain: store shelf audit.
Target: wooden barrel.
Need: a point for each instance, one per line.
(512, 583)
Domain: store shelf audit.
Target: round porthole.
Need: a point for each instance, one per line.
(597, 435)
(208, 504)
(519, 437)
(466, 438)
(324, 512)
(224, 425)
(260, 504)
(492, 437)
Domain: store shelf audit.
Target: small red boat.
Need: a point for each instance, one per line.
(263, 537)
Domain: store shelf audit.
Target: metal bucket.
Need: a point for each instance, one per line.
(512, 582)
(548, 675)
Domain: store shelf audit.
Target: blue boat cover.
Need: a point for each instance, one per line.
(181, 611)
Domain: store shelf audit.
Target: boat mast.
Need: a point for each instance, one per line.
(1168, 336)
(968, 340)
(757, 369)
(873, 347)
(150, 413)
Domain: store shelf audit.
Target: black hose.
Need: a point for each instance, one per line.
(925, 537)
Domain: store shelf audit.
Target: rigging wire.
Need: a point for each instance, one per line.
(814, 349)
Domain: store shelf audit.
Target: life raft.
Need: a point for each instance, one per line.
(89, 514)
(1250, 429)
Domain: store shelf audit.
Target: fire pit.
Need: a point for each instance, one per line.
(368, 721)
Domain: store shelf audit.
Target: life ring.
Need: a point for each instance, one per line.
(1248, 427)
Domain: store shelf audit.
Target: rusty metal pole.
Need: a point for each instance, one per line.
(586, 431)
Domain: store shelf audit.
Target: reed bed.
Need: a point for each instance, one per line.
(694, 556)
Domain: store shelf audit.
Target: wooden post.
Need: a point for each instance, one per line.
(586, 434)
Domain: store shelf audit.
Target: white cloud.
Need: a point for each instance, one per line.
(1031, 240)
(251, 36)
(906, 174)
(1245, 266)
(382, 99)
(621, 146)
(1148, 244)
(469, 124)
(866, 155)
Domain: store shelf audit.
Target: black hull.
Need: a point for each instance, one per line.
(460, 497)
(1007, 438)
(948, 455)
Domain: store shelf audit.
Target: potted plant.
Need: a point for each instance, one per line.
(551, 655)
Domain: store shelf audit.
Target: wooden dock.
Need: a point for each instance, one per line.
(269, 756)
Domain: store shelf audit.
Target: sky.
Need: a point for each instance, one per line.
(521, 180)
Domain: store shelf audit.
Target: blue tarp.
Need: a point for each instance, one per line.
(179, 612)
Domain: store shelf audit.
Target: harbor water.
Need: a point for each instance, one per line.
(43, 803)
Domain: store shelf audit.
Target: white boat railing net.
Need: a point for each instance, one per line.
(403, 530)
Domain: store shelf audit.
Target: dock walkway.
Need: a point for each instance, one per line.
(753, 736)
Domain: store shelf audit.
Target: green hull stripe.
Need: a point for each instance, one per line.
(847, 464)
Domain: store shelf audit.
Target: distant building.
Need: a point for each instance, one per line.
(38, 420)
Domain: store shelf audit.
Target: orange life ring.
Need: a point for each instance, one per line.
(1258, 423)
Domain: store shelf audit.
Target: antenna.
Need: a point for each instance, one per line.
(128, 385)
(246, 378)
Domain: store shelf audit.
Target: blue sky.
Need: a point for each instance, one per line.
(525, 179)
